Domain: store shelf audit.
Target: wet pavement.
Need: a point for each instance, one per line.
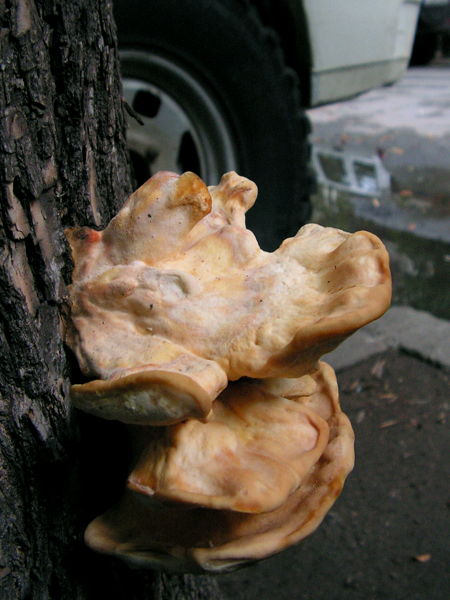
(383, 164)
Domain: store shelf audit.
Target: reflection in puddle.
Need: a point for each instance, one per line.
(366, 183)
(347, 171)
(420, 265)
(410, 213)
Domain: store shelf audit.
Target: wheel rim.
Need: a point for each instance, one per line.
(185, 128)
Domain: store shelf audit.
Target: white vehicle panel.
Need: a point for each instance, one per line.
(357, 45)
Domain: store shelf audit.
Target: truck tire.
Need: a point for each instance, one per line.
(212, 65)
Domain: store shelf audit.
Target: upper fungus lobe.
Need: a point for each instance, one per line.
(177, 285)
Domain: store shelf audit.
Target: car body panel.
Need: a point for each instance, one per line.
(356, 45)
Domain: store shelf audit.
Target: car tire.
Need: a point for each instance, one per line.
(224, 70)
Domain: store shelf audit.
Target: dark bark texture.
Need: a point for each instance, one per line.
(63, 163)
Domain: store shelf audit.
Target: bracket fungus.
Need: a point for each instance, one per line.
(208, 349)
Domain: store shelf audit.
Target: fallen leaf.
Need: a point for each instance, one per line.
(375, 202)
(398, 151)
(441, 418)
(391, 397)
(423, 558)
(378, 369)
(406, 193)
(412, 226)
(355, 387)
(389, 423)
(360, 416)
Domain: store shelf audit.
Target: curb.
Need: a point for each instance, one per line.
(401, 327)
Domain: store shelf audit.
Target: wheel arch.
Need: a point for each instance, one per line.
(288, 19)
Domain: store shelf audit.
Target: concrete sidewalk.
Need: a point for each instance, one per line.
(402, 327)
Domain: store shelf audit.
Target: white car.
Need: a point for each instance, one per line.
(221, 85)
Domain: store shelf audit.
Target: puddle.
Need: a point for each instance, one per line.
(403, 213)
(410, 198)
(424, 188)
(383, 164)
(420, 265)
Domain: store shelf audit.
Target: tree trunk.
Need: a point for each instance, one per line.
(63, 162)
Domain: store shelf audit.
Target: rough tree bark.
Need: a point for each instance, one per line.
(63, 162)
